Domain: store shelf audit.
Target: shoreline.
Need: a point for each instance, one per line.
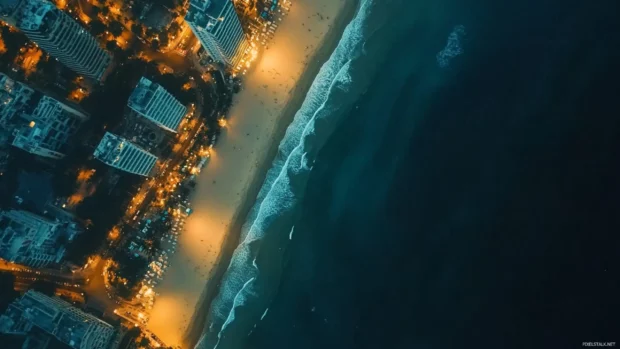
(320, 56)
(228, 187)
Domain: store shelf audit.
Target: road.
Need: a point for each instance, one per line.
(50, 275)
(96, 290)
(150, 187)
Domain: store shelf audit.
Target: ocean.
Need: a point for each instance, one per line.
(451, 180)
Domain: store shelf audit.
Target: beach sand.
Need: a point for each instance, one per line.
(272, 92)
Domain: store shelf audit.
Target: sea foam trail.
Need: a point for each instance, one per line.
(246, 282)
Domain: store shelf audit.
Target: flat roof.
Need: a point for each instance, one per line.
(200, 10)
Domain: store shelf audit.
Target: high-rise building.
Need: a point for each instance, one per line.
(40, 124)
(120, 153)
(58, 34)
(35, 311)
(219, 30)
(48, 132)
(15, 98)
(156, 104)
(29, 239)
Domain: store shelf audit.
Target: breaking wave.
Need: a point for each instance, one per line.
(255, 267)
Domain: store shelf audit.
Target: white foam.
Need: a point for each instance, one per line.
(453, 46)
(295, 157)
(264, 314)
(290, 235)
(240, 299)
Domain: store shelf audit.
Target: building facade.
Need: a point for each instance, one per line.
(216, 24)
(15, 99)
(29, 239)
(153, 102)
(58, 34)
(59, 319)
(39, 124)
(120, 153)
(48, 133)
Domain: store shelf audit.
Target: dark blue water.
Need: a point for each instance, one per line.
(471, 204)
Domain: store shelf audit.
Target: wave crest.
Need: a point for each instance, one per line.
(245, 280)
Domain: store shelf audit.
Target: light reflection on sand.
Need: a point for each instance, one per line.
(222, 184)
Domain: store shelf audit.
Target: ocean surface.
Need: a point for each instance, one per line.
(452, 180)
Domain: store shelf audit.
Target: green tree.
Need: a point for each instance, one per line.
(144, 342)
(163, 40)
(97, 27)
(174, 28)
(116, 28)
(137, 29)
(111, 45)
(155, 44)
(150, 32)
(13, 42)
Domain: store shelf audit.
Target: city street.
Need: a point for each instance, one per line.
(147, 192)
(42, 274)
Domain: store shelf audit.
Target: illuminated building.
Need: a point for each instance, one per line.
(58, 34)
(119, 153)
(35, 311)
(219, 30)
(29, 239)
(153, 102)
(48, 132)
(267, 8)
(14, 99)
(40, 124)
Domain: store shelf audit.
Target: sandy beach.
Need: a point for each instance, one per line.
(272, 92)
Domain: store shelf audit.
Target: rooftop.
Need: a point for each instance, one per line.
(142, 94)
(110, 148)
(158, 17)
(204, 12)
(52, 316)
(36, 15)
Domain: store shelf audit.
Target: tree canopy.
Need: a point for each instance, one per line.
(116, 28)
(174, 28)
(155, 44)
(13, 41)
(137, 29)
(111, 45)
(163, 40)
(97, 27)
